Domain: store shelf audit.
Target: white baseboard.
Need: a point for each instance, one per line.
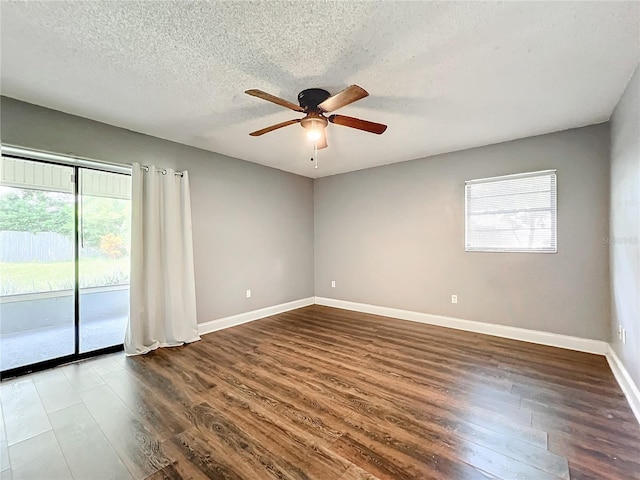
(232, 321)
(515, 333)
(627, 384)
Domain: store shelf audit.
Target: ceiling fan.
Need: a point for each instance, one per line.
(315, 102)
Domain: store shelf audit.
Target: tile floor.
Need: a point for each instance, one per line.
(54, 424)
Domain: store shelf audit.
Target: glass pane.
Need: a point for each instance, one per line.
(105, 213)
(36, 264)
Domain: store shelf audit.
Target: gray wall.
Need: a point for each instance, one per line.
(252, 225)
(394, 236)
(391, 236)
(625, 226)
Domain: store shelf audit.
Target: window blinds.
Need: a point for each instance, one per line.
(514, 213)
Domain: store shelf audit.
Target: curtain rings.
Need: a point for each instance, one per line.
(163, 171)
(146, 169)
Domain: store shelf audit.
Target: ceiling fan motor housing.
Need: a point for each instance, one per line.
(310, 98)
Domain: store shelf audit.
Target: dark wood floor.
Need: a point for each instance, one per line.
(322, 393)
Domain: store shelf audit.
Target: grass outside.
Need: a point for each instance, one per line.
(17, 278)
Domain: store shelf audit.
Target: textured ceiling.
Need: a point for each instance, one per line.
(443, 75)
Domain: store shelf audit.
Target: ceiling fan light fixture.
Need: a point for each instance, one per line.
(314, 134)
(314, 124)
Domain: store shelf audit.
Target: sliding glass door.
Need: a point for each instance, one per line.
(64, 262)
(37, 251)
(105, 215)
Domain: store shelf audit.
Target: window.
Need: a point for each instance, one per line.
(514, 213)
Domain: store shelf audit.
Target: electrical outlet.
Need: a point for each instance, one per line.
(454, 298)
(333, 284)
(624, 335)
(248, 293)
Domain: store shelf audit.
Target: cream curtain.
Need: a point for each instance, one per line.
(163, 300)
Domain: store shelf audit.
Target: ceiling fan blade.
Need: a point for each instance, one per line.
(272, 98)
(345, 97)
(322, 141)
(377, 128)
(257, 133)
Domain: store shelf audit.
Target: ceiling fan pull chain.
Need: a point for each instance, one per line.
(315, 153)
